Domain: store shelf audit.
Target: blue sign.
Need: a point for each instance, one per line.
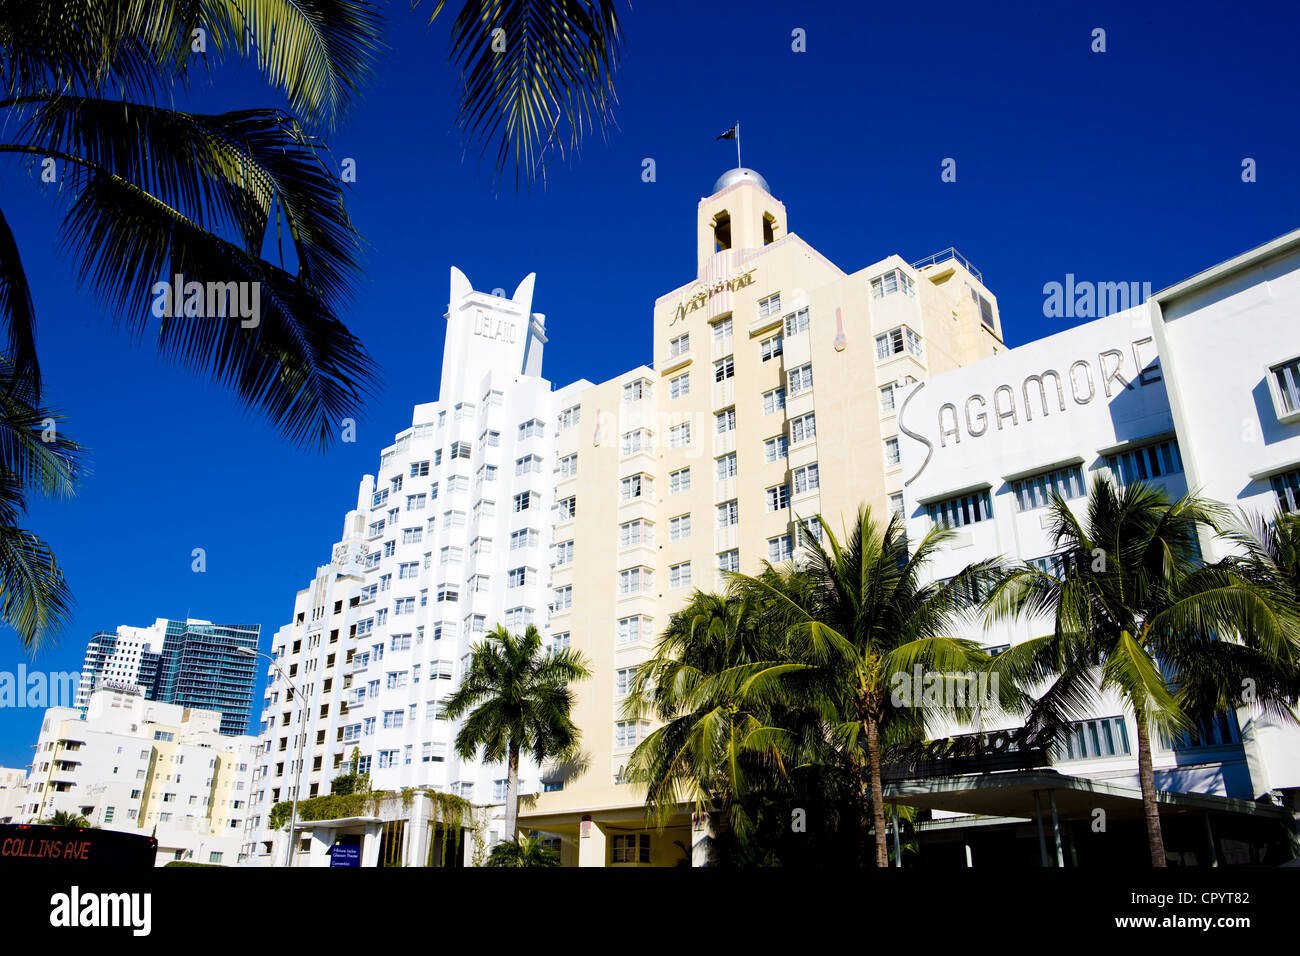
(344, 855)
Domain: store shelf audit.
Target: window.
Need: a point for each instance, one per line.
(679, 481)
(1287, 488)
(806, 479)
(419, 469)
(633, 580)
(636, 391)
(559, 642)
(887, 403)
(563, 598)
(518, 618)
(564, 553)
(893, 456)
(632, 533)
(891, 282)
(480, 546)
(896, 503)
(679, 575)
(774, 449)
(962, 510)
(1036, 491)
(796, 322)
(773, 401)
(569, 417)
(531, 429)
(634, 486)
(461, 449)
(780, 548)
(490, 439)
(623, 678)
(518, 577)
(628, 733)
(769, 349)
(448, 593)
(1142, 464)
(800, 379)
(453, 519)
(778, 497)
(487, 473)
(524, 500)
(527, 464)
(726, 466)
(895, 341)
(726, 420)
(679, 436)
(680, 345)
(636, 441)
(568, 507)
(394, 719)
(680, 385)
(399, 642)
(679, 527)
(524, 538)
(771, 305)
(631, 848)
(569, 466)
(451, 555)
(986, 308)
(633, 629)
(728, 513)
(724, 368)
(721, 330)
(729, 560)
(1086, 739)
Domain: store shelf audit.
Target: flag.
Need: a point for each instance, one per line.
(731, 133)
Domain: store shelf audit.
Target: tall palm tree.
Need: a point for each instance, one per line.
(518, 700)
(1136, 612)
(861, 612)
(710, 683)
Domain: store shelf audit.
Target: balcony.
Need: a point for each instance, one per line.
(944, 256)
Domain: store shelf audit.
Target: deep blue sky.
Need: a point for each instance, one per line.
(1119, 166)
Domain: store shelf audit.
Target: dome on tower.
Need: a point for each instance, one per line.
(740, 175)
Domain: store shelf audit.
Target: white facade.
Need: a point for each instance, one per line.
(141, 766)
(118, 661)
(13, 793)
(451, 537)
(1170, 398)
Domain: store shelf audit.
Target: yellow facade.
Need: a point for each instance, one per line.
(755, 280)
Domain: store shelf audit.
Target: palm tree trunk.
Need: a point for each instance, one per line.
(512, 793)
(877, 792)
(1147, 778)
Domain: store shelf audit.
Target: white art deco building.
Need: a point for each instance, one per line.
(451, 537)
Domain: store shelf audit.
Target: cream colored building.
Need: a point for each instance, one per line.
(143, 766)
(770, 399)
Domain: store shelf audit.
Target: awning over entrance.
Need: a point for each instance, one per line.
(1018, 794)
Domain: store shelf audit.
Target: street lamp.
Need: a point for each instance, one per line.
(302, 739)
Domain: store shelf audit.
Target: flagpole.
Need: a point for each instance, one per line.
(738, 163)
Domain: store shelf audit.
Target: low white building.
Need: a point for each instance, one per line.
(1195, 389)
(142, 766)
(13, 793)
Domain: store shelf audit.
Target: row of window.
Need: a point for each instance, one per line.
(1139, 464)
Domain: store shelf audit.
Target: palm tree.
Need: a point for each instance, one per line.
(152, 192)
(1136, 612)
(34, 457)
(63, 818)
(527, 850)
(533, 69)
(710, 683)
(518, 700)
(860, 612)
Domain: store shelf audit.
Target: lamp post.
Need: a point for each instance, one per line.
(302, 739)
